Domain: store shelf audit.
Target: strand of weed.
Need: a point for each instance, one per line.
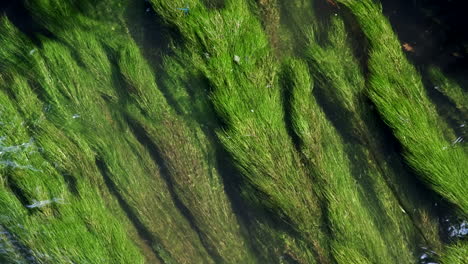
(450, 89)
(81, 232)
(270, 15)
(245, 95)
(352, 242)
(455, 253)
(189, 90)
(396, 89)
(61, 89)
(189, 86)
(342, 86)
(203, 196)
(189, 158)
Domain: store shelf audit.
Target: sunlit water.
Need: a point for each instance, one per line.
(12, 156)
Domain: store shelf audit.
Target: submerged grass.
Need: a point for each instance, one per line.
(109, 157)
(396, 89)
(241, 68)
(41, 175)
(450, 88)
(200, 209)
(45, 232)
(67, 89)
(189, 158)
(341, 87)
(323, 148)
(455, 254)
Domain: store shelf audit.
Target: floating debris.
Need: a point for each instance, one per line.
(408, 47)
(333, 3)
(458, 140)
(402, 210)
(75, 116)
(32, 52)
(39, 204)
(237, 59)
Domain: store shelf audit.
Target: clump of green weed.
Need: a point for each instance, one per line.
(396, 89)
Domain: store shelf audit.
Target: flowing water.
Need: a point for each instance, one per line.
(233, 132)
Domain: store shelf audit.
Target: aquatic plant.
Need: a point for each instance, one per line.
(455, 254)
(396, 89)
(341, 87)
(248, 137)
(449, 88)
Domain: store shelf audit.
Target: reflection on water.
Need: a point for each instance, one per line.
(14, 165)
(4, 149)
(8, 155)
(456, 228)
(39, 204)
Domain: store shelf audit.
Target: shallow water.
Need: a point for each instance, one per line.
(152, 172)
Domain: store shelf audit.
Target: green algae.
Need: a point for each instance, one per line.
(396, 89)
(189, 161)
(129, 148)
(449, 88)
(455, 254)
(46, 232)
(342, 86)
(367, 244)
